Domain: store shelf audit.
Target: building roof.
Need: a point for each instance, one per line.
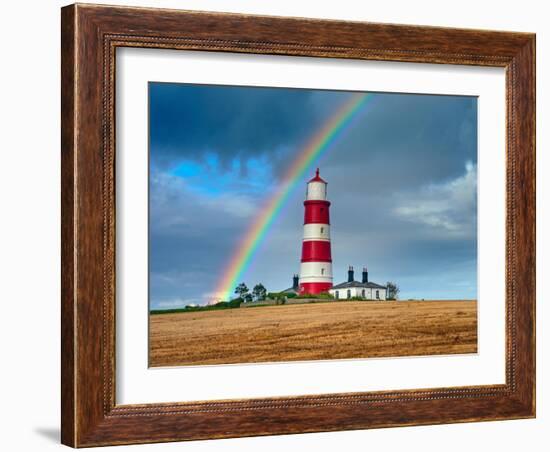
(367, 285)
(317, 178)
(290, 290)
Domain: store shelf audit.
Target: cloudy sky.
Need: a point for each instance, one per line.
(402, 183)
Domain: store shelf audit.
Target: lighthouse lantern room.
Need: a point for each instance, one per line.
(316, 263)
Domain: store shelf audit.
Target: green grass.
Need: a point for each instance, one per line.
(236, 303)
(220, 305)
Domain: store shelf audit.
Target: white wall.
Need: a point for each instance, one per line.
(315, 272)
(30, 225)
(312, 231)
(370, 294)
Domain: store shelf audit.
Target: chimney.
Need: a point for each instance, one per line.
(295, 280)
(365, 275)
(350, 274)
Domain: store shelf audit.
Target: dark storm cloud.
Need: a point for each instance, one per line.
(407, 140)
(229, 121)
(402, 182)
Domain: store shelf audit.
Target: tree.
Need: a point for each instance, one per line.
(393, 290)
(259, 292)
(242, 291)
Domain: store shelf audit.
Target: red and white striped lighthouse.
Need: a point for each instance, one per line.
(316, 264)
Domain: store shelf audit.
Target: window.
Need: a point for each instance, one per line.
(349, 294)
(322, 230)
(322, 271)
(378, 295)
(363, 293)
(337, 294)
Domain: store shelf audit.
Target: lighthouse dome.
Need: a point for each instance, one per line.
(317, 178)
(316, 188)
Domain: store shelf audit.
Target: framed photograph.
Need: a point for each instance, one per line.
(282, 225)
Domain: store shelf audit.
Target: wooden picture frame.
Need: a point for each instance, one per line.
(90, 36)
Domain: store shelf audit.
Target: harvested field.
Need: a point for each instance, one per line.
(333, 330)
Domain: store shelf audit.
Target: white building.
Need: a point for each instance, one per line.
(364, 289)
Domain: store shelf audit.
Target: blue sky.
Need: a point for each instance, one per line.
(402, 183)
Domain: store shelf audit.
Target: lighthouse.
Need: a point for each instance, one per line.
(316, 263)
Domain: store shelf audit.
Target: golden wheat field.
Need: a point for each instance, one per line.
(333, 330)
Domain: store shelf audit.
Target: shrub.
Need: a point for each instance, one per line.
(235, 303)
(323, 295)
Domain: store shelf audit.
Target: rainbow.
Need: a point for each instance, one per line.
(319, 143)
